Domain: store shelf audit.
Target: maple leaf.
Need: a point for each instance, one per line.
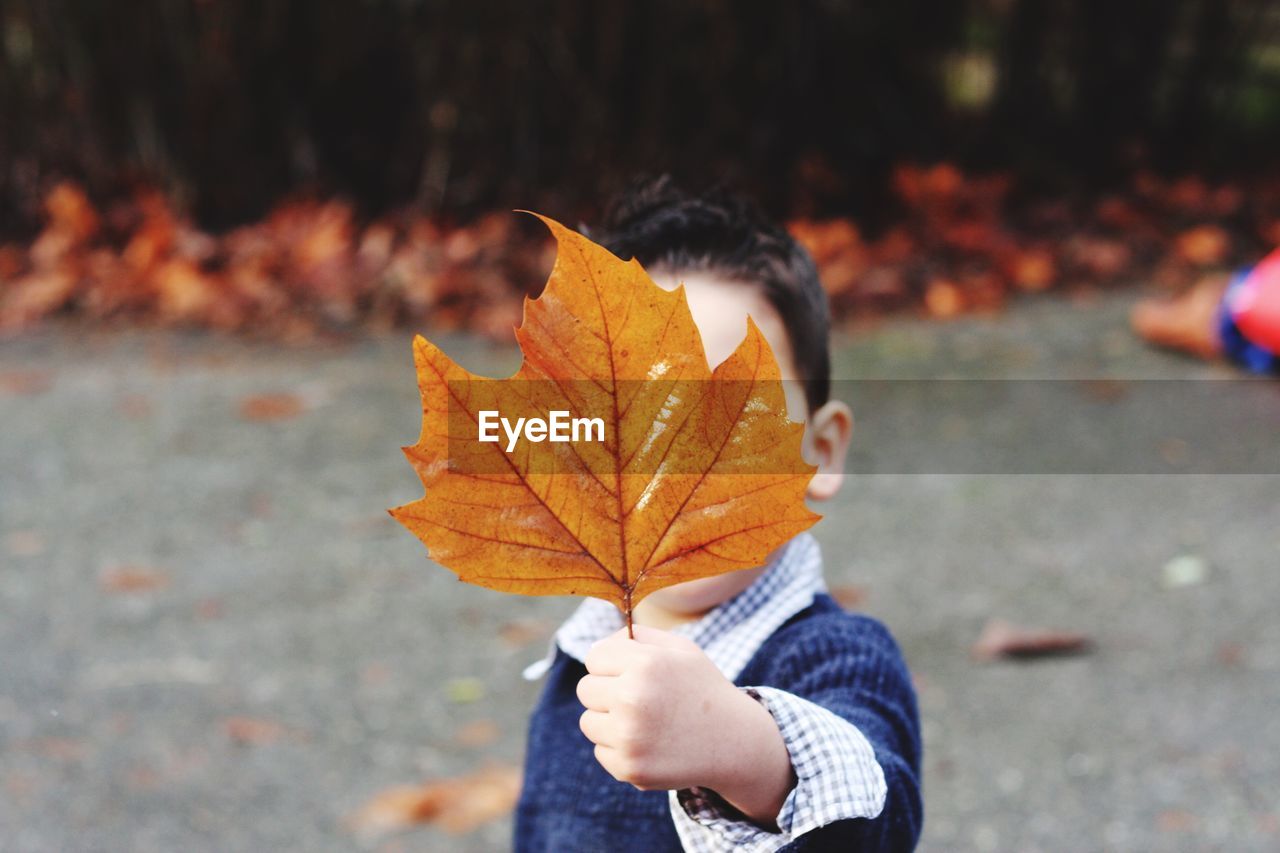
(699, 472)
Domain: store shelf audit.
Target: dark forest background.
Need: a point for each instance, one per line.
(294, 167)
(462, 107)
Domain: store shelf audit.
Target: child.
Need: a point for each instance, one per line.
(750, 711)
(1236, 317)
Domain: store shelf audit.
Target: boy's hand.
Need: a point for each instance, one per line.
(663, 717)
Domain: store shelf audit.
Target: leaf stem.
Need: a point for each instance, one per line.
(626, 599)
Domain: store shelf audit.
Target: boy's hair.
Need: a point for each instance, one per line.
(664, 227)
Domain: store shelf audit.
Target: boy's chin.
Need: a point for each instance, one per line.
(695, 597)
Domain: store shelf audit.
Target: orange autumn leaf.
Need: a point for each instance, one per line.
(1203, 246)
(252, 731)
(457, 805)
(1000, 639)
(699, 472)
(131, 578)
(270, 407)
(943, 298)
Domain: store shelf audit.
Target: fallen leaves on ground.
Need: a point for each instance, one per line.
(457, 805)
(522, 632)
(695, 471)
(132, 578)
(252, 731)
(477, 733)
(963, 242)
(1204, 245)
(1000, 639)
(943, 298)
(307, 267)
(312, 266)
(25, 382)
(271, 407)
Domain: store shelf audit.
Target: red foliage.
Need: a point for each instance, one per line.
(307, 267)
(964, 242)
(960, 243)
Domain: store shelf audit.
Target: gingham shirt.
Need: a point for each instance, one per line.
(836, 770)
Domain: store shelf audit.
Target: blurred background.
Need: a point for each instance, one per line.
(221, 221)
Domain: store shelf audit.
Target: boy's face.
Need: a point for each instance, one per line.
(720, 308)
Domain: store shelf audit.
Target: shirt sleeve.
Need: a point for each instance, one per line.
(844, 682)
(837, 778)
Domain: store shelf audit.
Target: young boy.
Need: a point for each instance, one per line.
(750, 711)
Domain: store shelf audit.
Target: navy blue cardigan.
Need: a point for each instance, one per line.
(844, 662)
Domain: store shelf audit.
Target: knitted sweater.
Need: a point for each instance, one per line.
(847, 663)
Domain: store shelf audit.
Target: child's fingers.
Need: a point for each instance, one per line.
(609, 760)
(595, 726)
(612, 655)
(595, 692)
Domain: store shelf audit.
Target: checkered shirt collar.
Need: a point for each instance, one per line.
(731, 633)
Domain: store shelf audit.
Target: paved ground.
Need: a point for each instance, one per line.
(280, 650)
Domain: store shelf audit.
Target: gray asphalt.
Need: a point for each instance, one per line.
(213, 637)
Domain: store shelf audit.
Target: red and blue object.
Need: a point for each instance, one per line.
(1249, 318)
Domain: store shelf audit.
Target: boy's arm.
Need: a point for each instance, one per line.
(846, 719)
(844, 684)
(663, 717)
(835, 772)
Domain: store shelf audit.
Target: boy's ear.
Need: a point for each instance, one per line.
(826, 445)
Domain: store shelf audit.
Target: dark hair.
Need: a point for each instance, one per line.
(663, 226)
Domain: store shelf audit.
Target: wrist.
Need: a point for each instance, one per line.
(755, 774)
